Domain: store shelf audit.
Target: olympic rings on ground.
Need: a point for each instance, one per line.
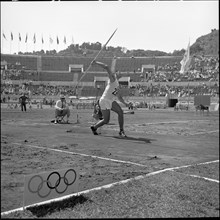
(57, 182)
(60, 192)
(40, 194)
(39, 188)
(68, 179)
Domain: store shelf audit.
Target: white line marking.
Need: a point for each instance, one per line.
(201, 177)
(168, 122)
(205, 132)
(214, 161)
(165, 122)
(213, 180)
(85, 155)
(104, 187)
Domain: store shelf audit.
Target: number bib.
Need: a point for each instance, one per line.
(111, 90)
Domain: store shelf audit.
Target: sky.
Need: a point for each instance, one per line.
(148, 25)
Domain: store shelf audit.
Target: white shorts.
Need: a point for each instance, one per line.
(105, 104)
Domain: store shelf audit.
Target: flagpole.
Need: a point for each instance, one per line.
(26, 42)
(49, 43)
(10, 47)
(19, 44)
(2, 45)
(41, 42)
(64, 41)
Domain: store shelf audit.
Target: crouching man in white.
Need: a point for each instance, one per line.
(61, 109)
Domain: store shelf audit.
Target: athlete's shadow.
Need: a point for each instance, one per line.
(138, 139)
(46, 209)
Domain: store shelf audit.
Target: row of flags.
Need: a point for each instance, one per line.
(185, 62)
(51, 40)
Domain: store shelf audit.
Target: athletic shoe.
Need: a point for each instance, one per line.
(122, 134)
(55, 122)
(94, 130)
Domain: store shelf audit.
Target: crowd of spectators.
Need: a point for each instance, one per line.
(48, 90)
(41, 90)
(201, 68)
(178, 91)
(205, 69)
(155, 89)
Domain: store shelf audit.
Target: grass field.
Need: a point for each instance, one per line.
(167, 167)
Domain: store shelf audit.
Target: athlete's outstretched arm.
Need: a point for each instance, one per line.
(103, 65)
(106, 67)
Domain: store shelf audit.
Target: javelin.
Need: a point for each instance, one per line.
(97, 56)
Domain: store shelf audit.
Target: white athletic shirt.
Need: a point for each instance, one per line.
(110, 91)
(59, 105)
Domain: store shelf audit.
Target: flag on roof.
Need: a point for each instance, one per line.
(11, 36)
(57, 40)
(34, 39)
(185, 62)
(64, 41)
(42, 40)
(19, 37)
(4, 36)
(26, 38)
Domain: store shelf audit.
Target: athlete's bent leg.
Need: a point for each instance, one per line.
(105, 120)
(117, 108)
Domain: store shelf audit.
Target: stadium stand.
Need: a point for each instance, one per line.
(55, 70)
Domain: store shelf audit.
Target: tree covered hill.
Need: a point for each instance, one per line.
(205, 45)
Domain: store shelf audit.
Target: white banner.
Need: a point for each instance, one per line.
(50, 185)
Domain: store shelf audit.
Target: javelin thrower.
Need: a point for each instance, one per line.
(77, 85)
(108, 101)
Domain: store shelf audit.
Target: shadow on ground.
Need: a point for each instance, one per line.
(137, 139)
(47, 209)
